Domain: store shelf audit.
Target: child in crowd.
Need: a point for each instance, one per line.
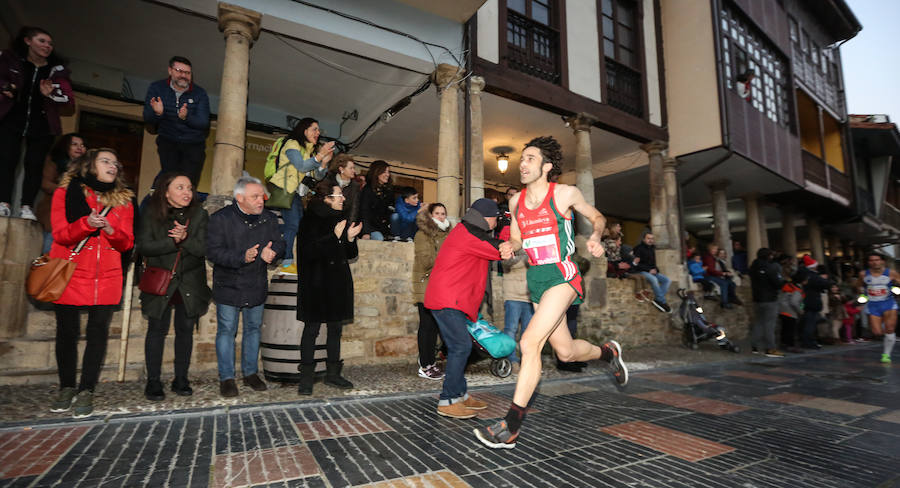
(403, 220)
(852, 310)
(698, 274)
(836, 314)
(790, 308)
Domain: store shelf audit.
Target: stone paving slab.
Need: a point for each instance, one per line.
(735, 428)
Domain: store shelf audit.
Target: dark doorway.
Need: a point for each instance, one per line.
(126, 136)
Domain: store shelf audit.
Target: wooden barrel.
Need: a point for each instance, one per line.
(280, 333)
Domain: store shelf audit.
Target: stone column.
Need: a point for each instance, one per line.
(720, 215)
(584, 176)
(788, 232)
(241, 28)
(816, 244)
(476, 185)
(763, 229)
(834, 246)
(658, 213)
(447, 79)
(754, 230)
(673, 215)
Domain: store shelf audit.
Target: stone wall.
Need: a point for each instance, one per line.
(385, 326)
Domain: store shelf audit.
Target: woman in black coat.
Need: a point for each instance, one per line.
(376, 202)
(173, 227)
(325, 288)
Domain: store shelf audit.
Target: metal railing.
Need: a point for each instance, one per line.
(532, 48)
(624, 88)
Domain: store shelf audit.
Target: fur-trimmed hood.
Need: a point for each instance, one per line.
(426, 224)
(114, 198)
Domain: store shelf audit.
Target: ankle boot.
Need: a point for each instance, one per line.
(307, 378)
(333, 375)
(154, 390)
(181, 386)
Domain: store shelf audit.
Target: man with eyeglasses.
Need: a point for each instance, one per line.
(178, 111)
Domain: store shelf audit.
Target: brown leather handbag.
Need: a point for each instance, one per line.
(49, 277)
(155, 281)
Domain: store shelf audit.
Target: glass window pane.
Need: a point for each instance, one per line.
(626, 13)
(626, 37)
(609, 28)
(626, 56)
(517, 5)
(609, 48)
(607, 7)
(540, 13)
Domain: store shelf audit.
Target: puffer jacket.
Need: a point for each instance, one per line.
(515, 281)
(427, 243)
(230, 233)
(62, 98)
(98, 273)
(189, 280)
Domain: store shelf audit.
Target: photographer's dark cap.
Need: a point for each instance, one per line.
(486, 207)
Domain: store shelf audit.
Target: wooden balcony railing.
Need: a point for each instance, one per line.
(532, 47)
(624, 88)
(817, 171)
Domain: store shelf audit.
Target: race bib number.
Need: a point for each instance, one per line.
(542, 249)
(878, 292)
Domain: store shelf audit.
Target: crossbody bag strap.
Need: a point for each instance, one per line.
(81, 244)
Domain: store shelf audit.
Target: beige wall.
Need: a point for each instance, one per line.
(488, 31)
(690, 64)
(651, 63)
(583, 45)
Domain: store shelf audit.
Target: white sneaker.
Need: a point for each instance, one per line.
(5, 211)
(26, 213)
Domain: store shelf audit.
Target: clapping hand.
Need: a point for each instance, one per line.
(339, 228)
(268, 255)
(178, 232)
(96, 220)
(354, 231)
(250, 254)
(9, 90)
(325, 152)
(157, 105)
(182, 112)
(46, 87)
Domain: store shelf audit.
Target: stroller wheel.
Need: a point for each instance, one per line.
(501, 368)
(694, 346)
(735, 348)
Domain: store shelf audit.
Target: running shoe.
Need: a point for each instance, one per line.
(886, 358)
(26, 213)
(496, 436)
(616, 365)
(774, 353)
(431, 372)
(5, 211)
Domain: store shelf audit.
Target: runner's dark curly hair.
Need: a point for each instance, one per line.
(551, 152)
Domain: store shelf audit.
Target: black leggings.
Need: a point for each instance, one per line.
(36, 149)
(157, 329)
(427, 335)
(332, 343)
(68, 330)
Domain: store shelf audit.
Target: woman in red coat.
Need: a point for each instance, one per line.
(92, 183)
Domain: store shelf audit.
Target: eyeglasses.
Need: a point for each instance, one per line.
(183, 71)
(339, 195)
(110, 162)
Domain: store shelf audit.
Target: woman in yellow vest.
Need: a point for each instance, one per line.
(306, 157)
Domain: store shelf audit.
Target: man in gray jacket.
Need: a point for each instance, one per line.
(766, 282)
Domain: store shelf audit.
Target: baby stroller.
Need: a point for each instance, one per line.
(696, 328)
(490, 340)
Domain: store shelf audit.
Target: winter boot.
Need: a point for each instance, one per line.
(333, 375)
(307, 378)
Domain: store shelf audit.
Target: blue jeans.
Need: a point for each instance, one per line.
(515, 312)
(48, 241)
(726, 287)
(660, 284)
(226, 331)
(452, 324)
(291, 217)
(376, 236)
(401, 228)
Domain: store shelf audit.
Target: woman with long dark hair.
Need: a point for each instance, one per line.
(375, 202)
(67, 149)
(301, 154)
(325, 288)
(34, 87)
(92, 203)
(172, 236)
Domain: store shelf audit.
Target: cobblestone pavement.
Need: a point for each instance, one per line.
(815, 420)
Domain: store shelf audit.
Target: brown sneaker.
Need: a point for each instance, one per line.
(228, 389)
(255, 382)
(774, 353)
(456, 410)
(474, 404)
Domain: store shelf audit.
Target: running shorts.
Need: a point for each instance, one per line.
(542, 278)
(877, 309)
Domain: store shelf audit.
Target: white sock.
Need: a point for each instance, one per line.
(889, 340)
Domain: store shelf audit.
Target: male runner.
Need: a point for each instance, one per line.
(542, 225)
(882, 308)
